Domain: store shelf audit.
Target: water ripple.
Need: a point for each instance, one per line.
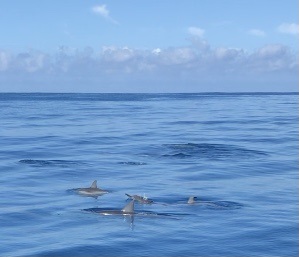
(206, 150)
(41, 163)
(132, 163)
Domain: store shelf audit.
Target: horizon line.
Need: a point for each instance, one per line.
(208, 92)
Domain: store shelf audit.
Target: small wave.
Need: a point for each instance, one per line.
(132, 163)
(177, 155)
(223, 205)
(201, 203)
(205, 150)
(48, 162)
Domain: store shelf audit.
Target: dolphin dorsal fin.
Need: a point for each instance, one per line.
(129, 208)
(94, 184)
(128, 195)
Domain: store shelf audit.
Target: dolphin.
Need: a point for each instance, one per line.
(140, 199)
(192, 199)
(92, 191)
(127, 210)
(215, 204)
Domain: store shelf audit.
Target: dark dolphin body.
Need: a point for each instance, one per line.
(127, 210)
(92, 191)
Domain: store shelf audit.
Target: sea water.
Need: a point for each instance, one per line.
(238, 153)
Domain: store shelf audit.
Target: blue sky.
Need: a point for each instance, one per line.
(148, 45)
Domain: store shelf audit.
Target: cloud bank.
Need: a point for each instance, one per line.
(196, 67)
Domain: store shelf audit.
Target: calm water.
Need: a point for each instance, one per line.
(238, 153)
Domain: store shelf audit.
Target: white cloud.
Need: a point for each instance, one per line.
(196, 31)
(289, 28)
(117, 54)
(104, 12)
(31, 61)
(257, 32)
(270, 51)
(228, 54)
(272, 58)
(177, 56)
(156, 51)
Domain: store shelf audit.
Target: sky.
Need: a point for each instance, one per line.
(148, 46)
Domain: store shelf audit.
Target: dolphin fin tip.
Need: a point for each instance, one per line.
(94, 184)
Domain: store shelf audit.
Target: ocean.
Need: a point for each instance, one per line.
(236, 152)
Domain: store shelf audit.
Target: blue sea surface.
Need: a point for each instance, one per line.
(238, 153)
